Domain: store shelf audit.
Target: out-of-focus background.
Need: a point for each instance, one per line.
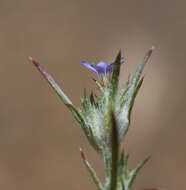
(39, 139)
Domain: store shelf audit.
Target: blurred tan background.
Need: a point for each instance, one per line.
(39, 139)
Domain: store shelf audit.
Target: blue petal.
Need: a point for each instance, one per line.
(89, 66)
(122, 60)
(111, 66)
(101, 67)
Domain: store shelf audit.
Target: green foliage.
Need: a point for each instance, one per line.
(105, 120)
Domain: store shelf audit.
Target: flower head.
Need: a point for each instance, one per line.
(95, 118)
(102, 68)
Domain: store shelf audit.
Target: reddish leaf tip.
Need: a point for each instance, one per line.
(148, 158)
(150, 51)
(82, 154)
(142, 78)
(33, 61)
(68, 105)
(153, 48)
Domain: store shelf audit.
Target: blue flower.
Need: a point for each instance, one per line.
(102, 68)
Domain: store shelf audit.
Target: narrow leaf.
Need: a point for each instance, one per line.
(102, 99)
(123, 165)
(60, 93)
(141, 66)
(92, 101)
(91, 171)
(86, 103)
(123, 90)
(100, 88)
(134, 172)
(51, 81)
(113, 87)
(127, 107)
(133, 96)
(122, 184)
(135, 85)
(78, 116)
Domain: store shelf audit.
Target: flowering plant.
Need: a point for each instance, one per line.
(105, 119)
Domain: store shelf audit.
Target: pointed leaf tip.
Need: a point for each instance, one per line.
(134, 172)
(142, 78)
(92, 101)
(91, 171)
(82, 154)
(118, 58)
(68, 105)
(148, 54)
(41, 70)
(113, 86)
(148, 158)
(119, 54)
(30, 58)
(36, 63)
(151, 50)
